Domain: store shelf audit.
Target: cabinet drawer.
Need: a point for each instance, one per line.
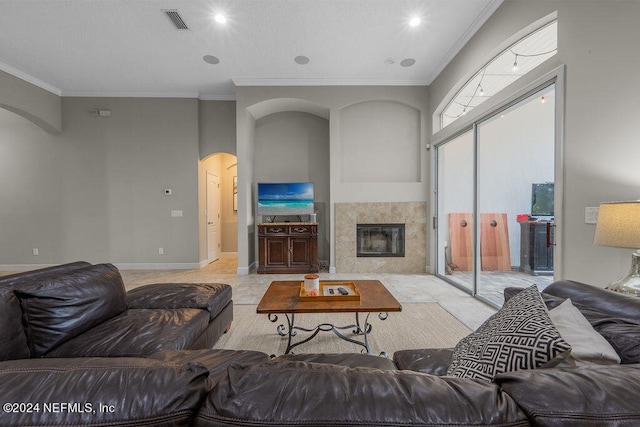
(273, 230)
(300, 230)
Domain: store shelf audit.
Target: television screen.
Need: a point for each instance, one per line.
(289, 198)
(542, 199)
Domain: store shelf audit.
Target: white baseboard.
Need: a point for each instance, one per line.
(243, 271)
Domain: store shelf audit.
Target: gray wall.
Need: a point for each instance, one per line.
(95, 191)
(217, 127)
(597, 43)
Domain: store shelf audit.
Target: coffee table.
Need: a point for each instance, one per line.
(283, 297)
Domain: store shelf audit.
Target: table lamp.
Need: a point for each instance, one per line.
(619, 225)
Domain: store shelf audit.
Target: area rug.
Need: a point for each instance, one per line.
(416, 326)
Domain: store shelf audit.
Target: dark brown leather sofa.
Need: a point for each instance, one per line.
(81, 310)
(413, 390)
(180, 386)
(76, 349)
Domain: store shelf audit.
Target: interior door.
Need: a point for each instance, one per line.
(213, 217)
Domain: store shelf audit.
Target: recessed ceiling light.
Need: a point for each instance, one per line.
(414, 21)
(220, 19)
(210, 59)
(301, 59)
(407, 62)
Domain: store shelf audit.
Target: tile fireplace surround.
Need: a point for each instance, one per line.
(412, 214)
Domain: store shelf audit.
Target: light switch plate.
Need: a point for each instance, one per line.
(591, 215)
(176, 213)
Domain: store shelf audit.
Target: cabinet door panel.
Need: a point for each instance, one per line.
(300, 251)
(276, 251)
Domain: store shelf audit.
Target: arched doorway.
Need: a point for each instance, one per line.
(219, 209)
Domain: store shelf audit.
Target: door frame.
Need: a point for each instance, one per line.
(216, 217)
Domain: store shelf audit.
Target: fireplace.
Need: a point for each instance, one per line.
(380, 240)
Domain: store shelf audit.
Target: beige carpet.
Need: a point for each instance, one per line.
(416, 326)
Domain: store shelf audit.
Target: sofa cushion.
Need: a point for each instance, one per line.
(100, 392)
(212, 297)
(137, 333)
(577, 397)
(587, 345)
(58, 308)
(317, 394)
(519, 336)
(13, 341)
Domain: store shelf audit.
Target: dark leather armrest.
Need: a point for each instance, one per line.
(212, 297)
(433, 361)
(575, 397)
(100, 391)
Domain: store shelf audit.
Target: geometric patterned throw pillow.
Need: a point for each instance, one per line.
(519, 336)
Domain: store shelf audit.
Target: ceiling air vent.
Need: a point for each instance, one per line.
(175, 17)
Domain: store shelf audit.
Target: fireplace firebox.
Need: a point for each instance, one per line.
(380, 240)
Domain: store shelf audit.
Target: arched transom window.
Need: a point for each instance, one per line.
(505, 68)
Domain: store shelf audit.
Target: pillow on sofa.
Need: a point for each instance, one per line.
(587, 346)
(58, 308)
(519, 336)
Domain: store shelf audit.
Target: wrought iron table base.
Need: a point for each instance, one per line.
(290, 330)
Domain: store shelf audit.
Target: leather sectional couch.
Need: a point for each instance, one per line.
(157, 381)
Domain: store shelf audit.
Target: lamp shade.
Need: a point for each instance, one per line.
(619, 225)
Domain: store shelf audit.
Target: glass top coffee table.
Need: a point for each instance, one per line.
(283, 297)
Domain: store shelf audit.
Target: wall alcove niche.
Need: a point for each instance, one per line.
(293, 146)
(381, 138)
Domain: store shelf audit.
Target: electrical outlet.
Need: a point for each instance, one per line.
(36, 252)
(160, 251)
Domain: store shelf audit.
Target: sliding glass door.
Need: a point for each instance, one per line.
(455, 224)
(495, 200)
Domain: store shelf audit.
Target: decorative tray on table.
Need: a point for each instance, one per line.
(332, 291)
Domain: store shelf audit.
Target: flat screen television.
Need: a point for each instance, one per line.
(285, 198)
(542, 199)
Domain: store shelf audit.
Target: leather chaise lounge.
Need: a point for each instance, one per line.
(127, 374)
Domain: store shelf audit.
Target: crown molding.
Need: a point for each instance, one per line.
(327, 82)
(123, 94)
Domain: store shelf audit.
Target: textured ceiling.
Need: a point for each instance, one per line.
(130, 48)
